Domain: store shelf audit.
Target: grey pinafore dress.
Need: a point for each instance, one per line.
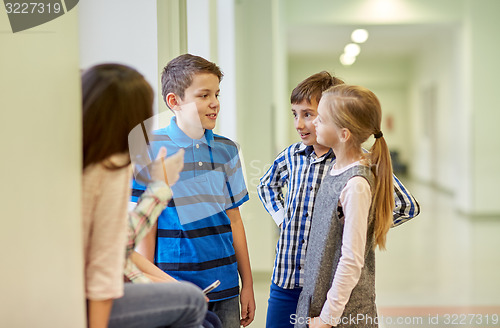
(324, 251)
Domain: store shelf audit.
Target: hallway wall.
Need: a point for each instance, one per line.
(41, 282)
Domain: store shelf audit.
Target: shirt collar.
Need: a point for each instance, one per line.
(309, 150)
(182, 140)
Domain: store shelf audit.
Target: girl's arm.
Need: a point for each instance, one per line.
(240, 247)
(107, 230)
(150, 270)
(355, 200)
(98, 313)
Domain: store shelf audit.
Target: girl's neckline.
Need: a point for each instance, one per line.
(335, 171)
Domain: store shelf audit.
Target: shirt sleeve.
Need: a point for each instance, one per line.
(145, 214)
(105, 254)
(133, 274)
(406, 206)
(270, 188)
(236, 190)
(355, 200)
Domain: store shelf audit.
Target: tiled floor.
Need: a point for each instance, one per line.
(441, 269)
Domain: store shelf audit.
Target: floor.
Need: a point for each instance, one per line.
(441, 269)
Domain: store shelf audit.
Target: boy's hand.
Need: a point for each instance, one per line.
(167, 169)
(247, 301)
(318, 323)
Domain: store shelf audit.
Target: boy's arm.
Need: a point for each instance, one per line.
(406, 206)
(240, 247)
(270, 188)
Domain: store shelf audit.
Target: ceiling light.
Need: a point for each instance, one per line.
(359, 36)
(352, 49)
(347, 60)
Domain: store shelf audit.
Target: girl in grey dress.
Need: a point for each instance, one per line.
(352, 214)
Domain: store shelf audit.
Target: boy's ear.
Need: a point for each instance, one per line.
(171, 100)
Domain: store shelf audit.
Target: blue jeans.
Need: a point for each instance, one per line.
(228, 311)
(282, 304)
(154, 305)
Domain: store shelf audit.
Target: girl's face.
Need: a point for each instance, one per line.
(327, 132)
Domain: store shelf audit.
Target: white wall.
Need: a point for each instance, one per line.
(121, 31)
(434, 132)
(483, 24)
(255, 101)
(41, 283)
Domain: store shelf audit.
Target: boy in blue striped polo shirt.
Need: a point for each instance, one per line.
(299, 169)
(200, 236)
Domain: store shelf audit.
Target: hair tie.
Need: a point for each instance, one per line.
(378, 135)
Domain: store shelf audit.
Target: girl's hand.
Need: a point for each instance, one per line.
(167, 169)
(318, 323)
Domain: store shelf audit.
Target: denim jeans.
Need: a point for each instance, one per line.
(228, 311)
(281, 307)
(175, 305)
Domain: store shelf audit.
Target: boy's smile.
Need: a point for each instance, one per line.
(304, 114)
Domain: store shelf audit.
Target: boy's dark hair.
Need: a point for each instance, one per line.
(177, 76)
(115, 99)
(313, 87)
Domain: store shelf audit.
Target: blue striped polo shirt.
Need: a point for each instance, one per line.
(194, 238)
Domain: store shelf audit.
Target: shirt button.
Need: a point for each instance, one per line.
(197, 146)
(200, 163)
(310, 188)
(303, 241)
(306, 215)
(299, 267)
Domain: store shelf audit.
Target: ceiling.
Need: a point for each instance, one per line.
(384, 40)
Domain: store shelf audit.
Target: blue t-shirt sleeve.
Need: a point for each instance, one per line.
(236, 191)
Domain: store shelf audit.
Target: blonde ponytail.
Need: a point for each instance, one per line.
(383, 199)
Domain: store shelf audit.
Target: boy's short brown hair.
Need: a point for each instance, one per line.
(312, 87)
(177, 76)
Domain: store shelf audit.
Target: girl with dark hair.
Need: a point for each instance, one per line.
(116, 98)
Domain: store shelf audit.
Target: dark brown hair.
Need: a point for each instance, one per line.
(177, 76)
(115, 99)
(312, 87)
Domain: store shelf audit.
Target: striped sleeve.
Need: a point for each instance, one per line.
(236, 191)
(406, 207)
(270, 188)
